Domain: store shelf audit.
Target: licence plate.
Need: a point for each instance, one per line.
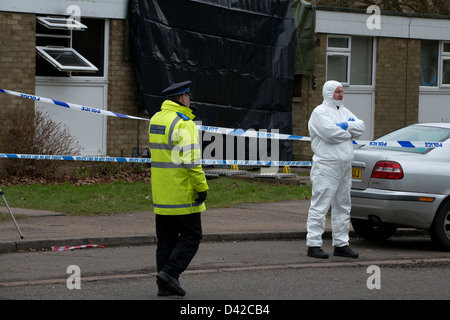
(356, 173)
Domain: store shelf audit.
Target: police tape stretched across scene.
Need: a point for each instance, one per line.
(148, 160)
(249, 133)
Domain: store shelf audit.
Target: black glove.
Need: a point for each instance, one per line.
(201, 197)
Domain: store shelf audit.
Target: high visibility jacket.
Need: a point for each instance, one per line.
(177, 174)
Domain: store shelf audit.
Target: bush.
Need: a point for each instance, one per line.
(32, 131)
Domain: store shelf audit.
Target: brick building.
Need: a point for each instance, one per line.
(112, 87)
(393, 76)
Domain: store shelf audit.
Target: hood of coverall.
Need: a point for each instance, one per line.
(328, 91)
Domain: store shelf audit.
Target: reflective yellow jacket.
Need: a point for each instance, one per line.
(177, 174)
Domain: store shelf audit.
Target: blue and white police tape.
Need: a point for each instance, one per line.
(258, 163)
(148, 160)
(73, 158)
(220, 130)
(252, 133)
(69, 105)
(401, 144)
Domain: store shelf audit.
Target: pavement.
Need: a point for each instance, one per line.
(249, 221)
(41, 229)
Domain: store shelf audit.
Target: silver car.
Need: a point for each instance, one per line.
(395, 186)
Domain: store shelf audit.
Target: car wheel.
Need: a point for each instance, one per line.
(370, 231)
(440, 229)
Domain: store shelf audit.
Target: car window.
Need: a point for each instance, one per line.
(416, 133)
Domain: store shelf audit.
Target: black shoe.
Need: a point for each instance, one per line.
(345, 252)
(317, 252)
(171, 284)
(163, 291)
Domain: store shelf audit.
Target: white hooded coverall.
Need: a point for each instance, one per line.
(331, 171)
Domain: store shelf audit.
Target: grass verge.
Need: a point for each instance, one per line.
(123, 196)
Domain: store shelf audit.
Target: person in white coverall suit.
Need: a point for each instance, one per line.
(332, 128)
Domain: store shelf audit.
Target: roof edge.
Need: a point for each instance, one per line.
(383, 12)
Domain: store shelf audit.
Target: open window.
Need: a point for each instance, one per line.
(61, 23)
(66, 47)
(66, 59)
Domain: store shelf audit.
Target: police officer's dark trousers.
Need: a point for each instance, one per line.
(178, 237)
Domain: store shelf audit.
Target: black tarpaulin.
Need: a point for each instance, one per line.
(239, 55)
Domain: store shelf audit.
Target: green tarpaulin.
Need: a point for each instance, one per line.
(304, 16)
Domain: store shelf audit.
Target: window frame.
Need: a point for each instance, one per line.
(65, 23)
(340, 52)
(437, 81)
(66, 71)
(66, 68)
(336, 51)
(443, 56)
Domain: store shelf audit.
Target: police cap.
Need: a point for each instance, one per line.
(177, 88)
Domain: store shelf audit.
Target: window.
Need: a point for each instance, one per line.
(66, 51)
(339, 43)
(415, 133)
(65, 59)
(429, 63)
(349, 60)
(446, 72)
(91, 44)
(338, 56)
(446, 63)
(362, 56)
(61, 23)
(434, 63)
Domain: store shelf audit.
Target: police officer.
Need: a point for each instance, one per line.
(179, 187)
